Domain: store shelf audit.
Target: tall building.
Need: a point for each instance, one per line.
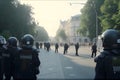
(74, 26)
(71, 27)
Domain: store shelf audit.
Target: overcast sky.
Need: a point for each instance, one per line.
(49, 12)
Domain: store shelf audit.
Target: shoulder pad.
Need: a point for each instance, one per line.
(101, 56)
(35, 50)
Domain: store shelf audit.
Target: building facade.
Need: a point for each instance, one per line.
(71, 27)
(74, 26)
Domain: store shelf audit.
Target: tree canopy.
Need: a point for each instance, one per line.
(110, 18)
(108, 13)
(61, 35)
(15, 19)
(41, 34)
(90, 12)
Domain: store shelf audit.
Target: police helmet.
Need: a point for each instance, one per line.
(27, 41)
(2, 40)
(12, 41)
(110, 37)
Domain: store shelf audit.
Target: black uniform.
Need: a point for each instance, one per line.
(48, 46)
(41, 45)
(45, 45)
(108, 62)
(56, 47)
(9, 66)
(1, 62)
(106, 66)
(8, 57)
(65, 48)
(27, 65)
(94, 50)
(2, 50)
(27, 61)
(76, 48)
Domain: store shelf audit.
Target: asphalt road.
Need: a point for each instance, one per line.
(59, 66)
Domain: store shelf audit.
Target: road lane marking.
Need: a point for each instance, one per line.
(68, 67)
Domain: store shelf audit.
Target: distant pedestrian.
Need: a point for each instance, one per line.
(66, 46)
(45, 45)
(76, 49)
(41, 45)
(48, 46)
(94, 50)
(56, 47)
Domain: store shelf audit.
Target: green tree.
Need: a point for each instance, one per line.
(88, 18)
(16, 18)
(61, 34)
(6, 33)
(110, 18)
(41, 34)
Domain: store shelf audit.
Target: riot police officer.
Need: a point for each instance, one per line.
(28, 61)
(45, 44)
(48, 46)
(94, 50)
(2, 50)
(76, 48)
(56, 47)
(66, 46)
(41, 44)
(108, 62)
(8, 57)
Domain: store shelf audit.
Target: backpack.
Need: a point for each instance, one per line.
(27, 65)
